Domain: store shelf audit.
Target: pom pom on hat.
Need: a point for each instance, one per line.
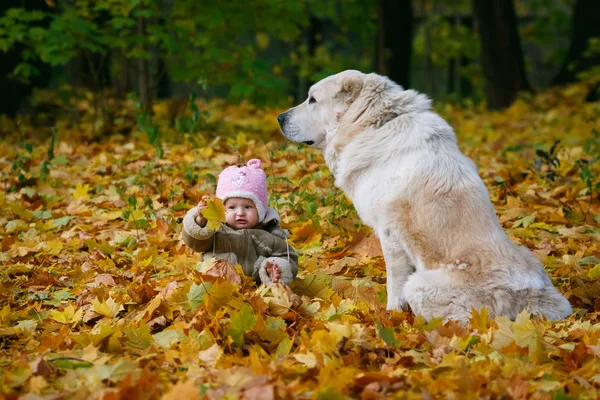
(249, 182)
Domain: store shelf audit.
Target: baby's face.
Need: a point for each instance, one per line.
(241, 213)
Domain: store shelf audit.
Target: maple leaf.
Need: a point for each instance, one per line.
(239, 323)
(81, 192)
(272, 329)
(594, 271)
(5, 316)
(479, 319)
(196, 294)
(214, 213)
(387, 334)
(167, 338)
(223, 269)
(110, 308)
(284, 347)
(219, 295)
(210, 356)
(60, 222)
(138, 337)
(67, 316)
(183, 390)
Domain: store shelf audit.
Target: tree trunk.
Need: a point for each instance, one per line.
(585, 25)
(465, 86)
(318, 31)
(394, 39)
(144, 72)
(502, 57)
(121, 82)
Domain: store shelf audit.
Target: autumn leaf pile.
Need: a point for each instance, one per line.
(100, 299)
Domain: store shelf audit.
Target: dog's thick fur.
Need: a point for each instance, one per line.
(398, 161)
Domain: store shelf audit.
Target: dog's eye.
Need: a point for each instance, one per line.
(312, 100)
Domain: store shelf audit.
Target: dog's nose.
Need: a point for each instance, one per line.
(281, 118)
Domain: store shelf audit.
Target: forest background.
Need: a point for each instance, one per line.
(117, 115)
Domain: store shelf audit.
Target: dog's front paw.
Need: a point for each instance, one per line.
(396, 303)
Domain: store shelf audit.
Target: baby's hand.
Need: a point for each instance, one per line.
(273, 271)
(200, 220)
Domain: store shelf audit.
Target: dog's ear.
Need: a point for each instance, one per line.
(351, 85)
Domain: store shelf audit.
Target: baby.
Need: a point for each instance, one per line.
(252, 236)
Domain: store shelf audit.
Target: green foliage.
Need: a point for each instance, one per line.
(45, 170)
(193, 123)
(198, 42)
(240, 322)
(21, 163)
(549, 159)
(584, 166)
(552, 22)
(22, 169)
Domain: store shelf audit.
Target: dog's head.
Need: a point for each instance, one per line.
(328, 100)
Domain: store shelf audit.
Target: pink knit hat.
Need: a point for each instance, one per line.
(248, 182)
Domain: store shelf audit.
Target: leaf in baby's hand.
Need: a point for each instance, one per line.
(214, 213)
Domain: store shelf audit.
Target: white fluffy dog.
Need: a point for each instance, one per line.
(398, 161)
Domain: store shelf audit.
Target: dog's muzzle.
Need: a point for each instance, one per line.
(282, 119)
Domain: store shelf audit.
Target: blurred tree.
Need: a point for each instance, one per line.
(458, 82)
(501, 54)
(395, 39)
(585, 27)
(314, 35)
(16, 91)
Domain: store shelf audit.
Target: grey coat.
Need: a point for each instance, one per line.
(251, 248)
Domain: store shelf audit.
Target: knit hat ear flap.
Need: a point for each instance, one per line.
(249, 182)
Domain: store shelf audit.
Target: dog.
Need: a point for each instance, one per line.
(398, 161)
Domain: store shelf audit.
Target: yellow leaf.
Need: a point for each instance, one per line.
(67, 316)
(183, 390)
(112, 214)
(305, 232)
(37, 384)
(81, 192)
(513, 202)
(479, 319)
(210, 356)
(138, 214)
(262, 40)
(146, 262)
(206, 152)
(284, 347)
(594, 272)
(214, 213)
(503, 336)
(308, 359)
(241, 139)
(53, 247)
(5, 316)
(219, 294)
(110, 308)
(524, 330)
(16, 225)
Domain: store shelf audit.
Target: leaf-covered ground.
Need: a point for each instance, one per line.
(100, 299)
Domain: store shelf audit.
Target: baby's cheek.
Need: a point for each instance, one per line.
(230, 216)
